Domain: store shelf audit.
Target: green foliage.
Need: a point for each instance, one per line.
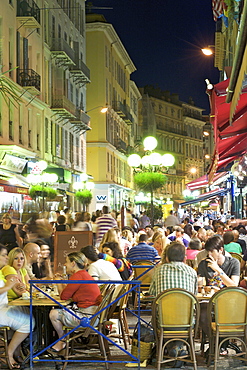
(84, 196)
(40, 191)
(7, 89)
(157, 212)
(149, 181)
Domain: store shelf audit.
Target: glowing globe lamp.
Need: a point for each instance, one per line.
(83, 177)
(168, 160)
(42, 165)
(89, 185)
(145, 160)
(150, 143)
(155, 159)
(134, 160)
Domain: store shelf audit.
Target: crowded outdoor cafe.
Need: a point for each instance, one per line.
(166, 295)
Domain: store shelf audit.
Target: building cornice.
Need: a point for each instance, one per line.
(115, 41)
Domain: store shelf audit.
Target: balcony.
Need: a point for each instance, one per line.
(28, 13)
(81, 121)
(80, 73)
(123, 111)
(62, 106)
(29, 79)
(62, 52)
(120, 145)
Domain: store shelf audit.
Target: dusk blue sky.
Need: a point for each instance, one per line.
(163, 39)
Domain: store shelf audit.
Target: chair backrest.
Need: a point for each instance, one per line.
(147, 272)
(236, 255)
(175, 308)
(230, 306)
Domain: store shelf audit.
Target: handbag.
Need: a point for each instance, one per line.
(146, 342)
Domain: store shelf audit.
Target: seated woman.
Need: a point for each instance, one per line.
(194, 248)
(17, 318)
(16, 269)
(86, 296)
(159, 242)
(112, 253)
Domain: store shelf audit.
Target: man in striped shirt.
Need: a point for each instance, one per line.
(173, 272)
(104, 223)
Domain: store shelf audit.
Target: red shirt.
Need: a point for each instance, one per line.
(85, 295)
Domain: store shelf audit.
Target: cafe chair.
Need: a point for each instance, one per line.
(4, 345)
(144, 274)
(86, 338)
(227, 317)
(237, 256)
(175, 317)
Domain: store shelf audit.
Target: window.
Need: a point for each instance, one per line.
(38, 146)
(71, 144)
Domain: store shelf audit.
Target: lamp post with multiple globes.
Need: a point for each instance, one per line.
(150, 168)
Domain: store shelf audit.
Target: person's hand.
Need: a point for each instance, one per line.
(212, 263)
(58, 276)
(21, 287)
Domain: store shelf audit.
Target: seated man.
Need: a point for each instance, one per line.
(142, 251)
(174, 273)
(219, 270)
(178, 235)
(98, 268)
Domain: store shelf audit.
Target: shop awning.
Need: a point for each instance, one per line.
(202, 182)
(209, 195)
(230, 138)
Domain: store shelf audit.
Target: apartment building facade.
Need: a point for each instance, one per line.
(43, 60)
(112, 133)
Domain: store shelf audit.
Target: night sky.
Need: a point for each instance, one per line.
(163, 39)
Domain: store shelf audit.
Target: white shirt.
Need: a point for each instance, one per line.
(3, 296)
(103, 270)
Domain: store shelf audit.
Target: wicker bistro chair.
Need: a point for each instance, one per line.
(83, 338)
(4, 345)
(175, 317)
(144, 274)
(226, 322)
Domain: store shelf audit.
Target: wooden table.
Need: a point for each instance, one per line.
(41, 310)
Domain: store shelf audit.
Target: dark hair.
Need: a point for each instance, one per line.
(242, 231)
(149, 226)
(228, 237)
(195, 244)
(105, 210)
(143, 238)
(61, 219)
(90, 253)
(215, 242)
(117, 253)
(188, 229)
(175, 252)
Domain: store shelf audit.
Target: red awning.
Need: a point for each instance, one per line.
(230, 138)
(202, 182)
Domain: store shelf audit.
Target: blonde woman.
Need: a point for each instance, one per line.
(159, 242)
(16, 269)
(9, 234)
(111, 236)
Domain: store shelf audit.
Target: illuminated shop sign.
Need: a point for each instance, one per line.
(12, 163)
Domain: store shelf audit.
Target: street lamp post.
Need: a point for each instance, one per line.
(153, 165)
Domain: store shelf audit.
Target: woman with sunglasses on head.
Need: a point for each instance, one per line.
(17, 318)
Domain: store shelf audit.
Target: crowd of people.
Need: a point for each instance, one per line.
(183, 251)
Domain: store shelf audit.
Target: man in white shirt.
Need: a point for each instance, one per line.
(100, 269)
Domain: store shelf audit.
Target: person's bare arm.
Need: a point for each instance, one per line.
(228, 281)
(18, 238)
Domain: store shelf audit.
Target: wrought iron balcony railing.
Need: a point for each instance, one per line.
(28, 77)
(28, 8)
(62, 51)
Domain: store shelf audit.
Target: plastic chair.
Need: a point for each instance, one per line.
(87, 337)
(226, 322)
(4, 344)
(175, 315)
